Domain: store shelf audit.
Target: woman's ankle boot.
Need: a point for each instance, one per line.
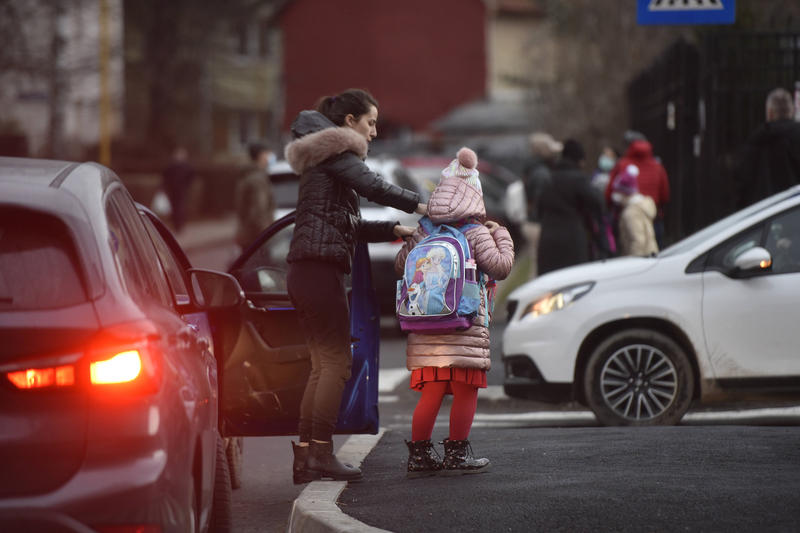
(300, 471)
(458, 459)
(423, 460)
(322, 463)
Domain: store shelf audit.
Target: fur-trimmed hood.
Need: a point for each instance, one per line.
(317, 139)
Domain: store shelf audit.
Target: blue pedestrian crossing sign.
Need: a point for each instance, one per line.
(652, 12)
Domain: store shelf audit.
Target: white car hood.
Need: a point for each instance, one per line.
(596, 271)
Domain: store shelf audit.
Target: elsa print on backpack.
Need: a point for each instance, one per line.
(440, 290)
(447, 270)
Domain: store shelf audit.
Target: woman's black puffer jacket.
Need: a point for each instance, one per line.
(329, 160)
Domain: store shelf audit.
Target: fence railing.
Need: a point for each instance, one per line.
(698, 103)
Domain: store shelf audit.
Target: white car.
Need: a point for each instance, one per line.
(638, 339)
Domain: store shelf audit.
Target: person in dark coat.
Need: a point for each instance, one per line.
(567, 208)
(328, 151)
(177, 180)
(770, 161)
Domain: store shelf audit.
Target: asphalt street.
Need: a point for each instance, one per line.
(681, 478)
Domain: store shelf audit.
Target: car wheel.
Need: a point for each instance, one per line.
(638, 377)
(234, 450)
(221, 518)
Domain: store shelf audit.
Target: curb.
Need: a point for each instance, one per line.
(315, 510)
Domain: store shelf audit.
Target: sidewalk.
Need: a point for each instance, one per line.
(207, 233)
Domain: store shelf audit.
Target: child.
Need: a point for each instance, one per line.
(454, 363)
(636, 233)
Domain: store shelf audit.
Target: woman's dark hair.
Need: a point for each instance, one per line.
(354, 102)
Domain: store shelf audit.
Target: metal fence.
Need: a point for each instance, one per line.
(698, 103)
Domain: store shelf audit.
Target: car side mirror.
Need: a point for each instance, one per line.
(214, 290)
(753, 261)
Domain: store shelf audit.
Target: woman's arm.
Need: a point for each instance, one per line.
(408, 245)
(351, 170)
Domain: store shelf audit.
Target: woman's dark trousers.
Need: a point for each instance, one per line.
(318, 293)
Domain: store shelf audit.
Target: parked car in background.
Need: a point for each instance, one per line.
(285, 184)
(638, 339)
(122, 369)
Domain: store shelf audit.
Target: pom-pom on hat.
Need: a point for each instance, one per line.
(626, 181)
(465, 166)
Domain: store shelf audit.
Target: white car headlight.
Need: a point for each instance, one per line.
(556, 300)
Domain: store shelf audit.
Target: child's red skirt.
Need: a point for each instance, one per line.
(470, 376)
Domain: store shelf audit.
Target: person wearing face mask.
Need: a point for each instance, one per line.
(604, 243)
(328, 151)
(606, 161)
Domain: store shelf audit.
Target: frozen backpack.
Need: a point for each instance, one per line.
(440, 288)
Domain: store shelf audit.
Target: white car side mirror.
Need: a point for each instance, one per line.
(755, 259)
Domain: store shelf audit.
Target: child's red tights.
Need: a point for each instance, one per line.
(465, 402)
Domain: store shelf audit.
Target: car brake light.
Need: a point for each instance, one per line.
(125, 357)
(40, 378)
(121, 368)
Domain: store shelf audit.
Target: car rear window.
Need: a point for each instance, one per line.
(39, 268)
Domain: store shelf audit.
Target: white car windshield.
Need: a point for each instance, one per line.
(698, 237)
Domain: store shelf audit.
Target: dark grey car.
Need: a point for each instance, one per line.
(122, 368)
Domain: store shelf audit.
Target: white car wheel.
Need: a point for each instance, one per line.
(638, 377)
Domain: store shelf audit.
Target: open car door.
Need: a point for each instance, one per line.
(263, 358)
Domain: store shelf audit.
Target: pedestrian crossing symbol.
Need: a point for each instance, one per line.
(653, 12)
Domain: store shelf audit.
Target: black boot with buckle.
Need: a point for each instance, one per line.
(423, 460)
(300, 471)
(458, 459)
(325, 465)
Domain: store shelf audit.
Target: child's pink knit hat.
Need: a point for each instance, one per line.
(465, 166)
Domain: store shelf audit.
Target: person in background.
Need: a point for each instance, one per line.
(770, 161)
(652, 181)
(254, 202)
(545, 151)
(177, 179)
(454, 363)
(605, 163)
(328, 151)
(636, 233)
(569, 207)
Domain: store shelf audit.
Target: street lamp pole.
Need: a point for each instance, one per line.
(105, 97)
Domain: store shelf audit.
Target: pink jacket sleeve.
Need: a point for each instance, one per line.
(493, 252)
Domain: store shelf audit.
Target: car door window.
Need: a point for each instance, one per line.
(265, 270)
(177, 283)
(783, 242)
(136, 258)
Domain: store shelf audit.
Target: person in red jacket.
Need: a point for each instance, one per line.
(653, 182)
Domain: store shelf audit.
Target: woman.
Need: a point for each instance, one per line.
(328, 153)
(569, 208)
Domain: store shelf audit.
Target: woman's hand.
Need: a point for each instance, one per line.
(491, 225)
(403, 231)
(422, 209)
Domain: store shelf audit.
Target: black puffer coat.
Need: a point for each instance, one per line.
(329, 160)
(770, 162)
(567, 207)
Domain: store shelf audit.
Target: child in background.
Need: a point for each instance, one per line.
(454, 363)
(636, 233)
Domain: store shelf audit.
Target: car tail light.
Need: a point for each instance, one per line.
(121, 368)
(125, 357)
(40, 378)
